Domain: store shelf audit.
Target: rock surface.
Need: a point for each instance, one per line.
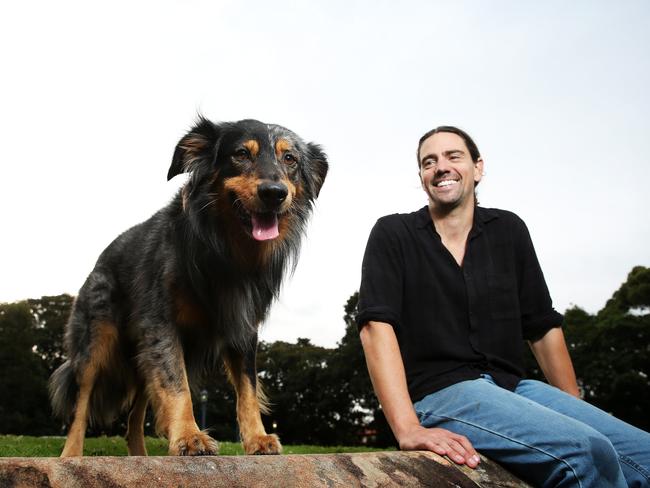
(376, 469)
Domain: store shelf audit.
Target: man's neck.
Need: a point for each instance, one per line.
(453, 226)
(454, 223)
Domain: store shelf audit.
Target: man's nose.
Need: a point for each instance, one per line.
(442, 165)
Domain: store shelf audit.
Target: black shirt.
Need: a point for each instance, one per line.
(453, 323)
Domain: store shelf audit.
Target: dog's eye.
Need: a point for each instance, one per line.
(241, 154)
(290, 158)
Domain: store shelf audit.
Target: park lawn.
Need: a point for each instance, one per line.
(27, 446)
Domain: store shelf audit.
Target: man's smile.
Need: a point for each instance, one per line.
(445, 183)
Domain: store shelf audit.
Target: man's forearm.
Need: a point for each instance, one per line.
(388, 377)
(553, 357)
(389, 381)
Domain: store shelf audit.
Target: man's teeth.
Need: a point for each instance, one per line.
(446, 183)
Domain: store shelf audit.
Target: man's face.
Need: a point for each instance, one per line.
(447, 172)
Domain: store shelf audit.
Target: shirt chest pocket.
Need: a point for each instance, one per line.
(503, 296)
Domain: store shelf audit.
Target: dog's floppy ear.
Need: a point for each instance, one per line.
(316, 169)
(198, 143)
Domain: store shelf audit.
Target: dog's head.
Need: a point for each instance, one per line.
(261, 175)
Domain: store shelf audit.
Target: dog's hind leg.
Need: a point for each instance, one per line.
(250, 402)
(135, 429)
(163, 366)
(102, 345)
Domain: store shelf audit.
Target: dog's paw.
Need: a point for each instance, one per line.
(195, 444)
(263, 444)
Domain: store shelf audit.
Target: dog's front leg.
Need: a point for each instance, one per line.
(164, 368)
(250, 400)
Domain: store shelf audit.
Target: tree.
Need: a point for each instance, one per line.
(51, 314)
(324, 396)
(633, 295)
(365, 412)
(302, 391)
(24, 405)
(611, 351)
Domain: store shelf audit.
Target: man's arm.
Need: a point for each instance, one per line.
(553, 357)
(389, 381)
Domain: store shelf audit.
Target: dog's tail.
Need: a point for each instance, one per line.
(109, 395)
(63, 391)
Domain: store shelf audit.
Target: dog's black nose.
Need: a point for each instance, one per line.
(272, 193)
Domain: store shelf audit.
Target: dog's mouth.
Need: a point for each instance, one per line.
(260, 210)
(261, 226)
(264, 226)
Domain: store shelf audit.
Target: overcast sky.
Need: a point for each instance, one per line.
(94, 97)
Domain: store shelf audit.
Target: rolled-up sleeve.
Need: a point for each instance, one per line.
(380, 293)
(537, 313)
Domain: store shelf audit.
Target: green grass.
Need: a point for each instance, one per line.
(27, 446)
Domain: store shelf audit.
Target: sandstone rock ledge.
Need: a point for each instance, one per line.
(376, 469)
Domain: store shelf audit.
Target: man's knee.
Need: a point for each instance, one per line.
(603, 457)
(572, 457)
(594, 457)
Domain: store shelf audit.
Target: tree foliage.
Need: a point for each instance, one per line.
(611, 351)
(23, 408)
(50, 316)
(324, 395)
(633, 295)
(357, 384)
(302, 390)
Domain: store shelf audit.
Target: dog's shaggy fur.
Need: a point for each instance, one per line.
(173, 295)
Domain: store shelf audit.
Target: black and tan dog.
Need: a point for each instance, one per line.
(176, 293)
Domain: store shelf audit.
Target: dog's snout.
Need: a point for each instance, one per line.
(272, 193)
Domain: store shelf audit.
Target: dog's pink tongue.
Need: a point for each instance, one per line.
(265, 227)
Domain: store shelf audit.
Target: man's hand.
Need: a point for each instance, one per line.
(442, 442)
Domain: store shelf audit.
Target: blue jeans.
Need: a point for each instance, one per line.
(541, 434)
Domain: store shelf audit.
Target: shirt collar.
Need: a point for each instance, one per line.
(422, 218)
(481, 217)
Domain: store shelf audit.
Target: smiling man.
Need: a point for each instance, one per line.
(448, 295)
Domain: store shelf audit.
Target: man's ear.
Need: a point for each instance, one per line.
(200, 142)
(315, 169)
(422, 185)
(478, 171)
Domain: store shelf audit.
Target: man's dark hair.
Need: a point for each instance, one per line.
(471, 146)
